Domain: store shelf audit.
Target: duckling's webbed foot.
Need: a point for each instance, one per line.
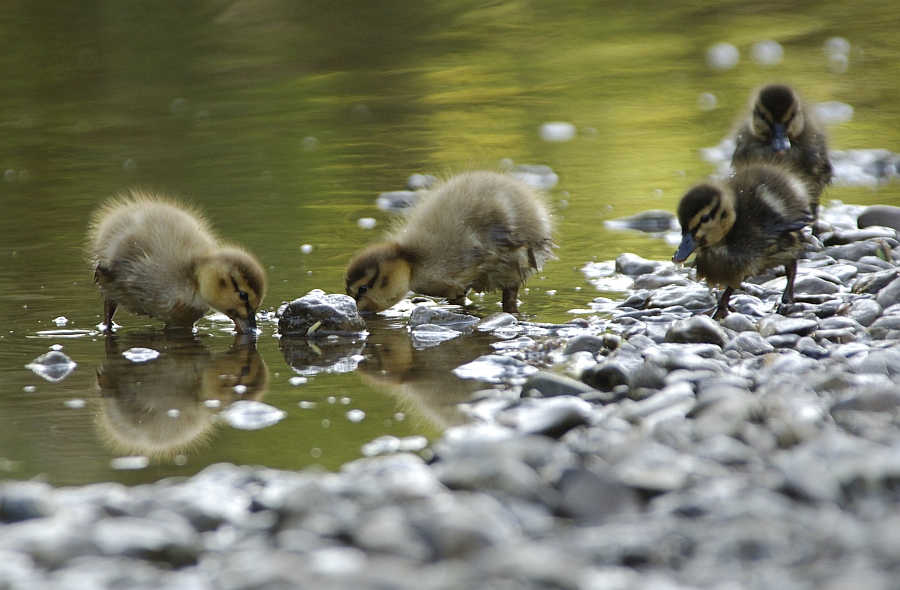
(511, 300)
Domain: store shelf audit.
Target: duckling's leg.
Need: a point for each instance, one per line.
(790, 270)
(722, 307)
(109, 308)
(511, 300)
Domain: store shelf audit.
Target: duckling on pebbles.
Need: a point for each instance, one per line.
(744, 226)
(779, 129)
(157, 258)
(483, 231)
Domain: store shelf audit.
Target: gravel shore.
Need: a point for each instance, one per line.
(642, 447)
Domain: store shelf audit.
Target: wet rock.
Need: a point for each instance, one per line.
(648, 376)
(865, 311)
(693, 298)
(632, 265)
(880, 215)
(417, 182)
(589, 497)
(25, 500)
(396, 200)
(423, 314)
(885, 362)
(885, 326)
(750, 343)
(605, 377)
(553, 384)
(496, 321)
(552, 419)
(808, 347)
(658, 280)
(853, 251)
(172, 540)
(585, 343)
(874, 282)
(878, 400)
(696, 329)
(811, 285)
(777, 325)
(320, 314)
(495, 368)
(652, 221)
(889, 295)
(739, 322)
(848, 236)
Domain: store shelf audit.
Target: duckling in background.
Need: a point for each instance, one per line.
(743, 227)
(780, 130)
(156, 258)
(478, 230)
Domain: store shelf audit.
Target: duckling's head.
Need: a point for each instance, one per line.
(233, 282)
(378, 277)
(777, 116)
(706, 214)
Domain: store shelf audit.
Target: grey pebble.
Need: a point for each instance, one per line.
(696, 329)
(632, 265)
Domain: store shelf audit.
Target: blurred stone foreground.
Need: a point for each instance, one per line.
(653, 449)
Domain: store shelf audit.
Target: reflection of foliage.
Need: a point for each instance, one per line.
(159, 407)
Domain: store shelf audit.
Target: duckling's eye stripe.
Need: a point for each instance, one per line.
(234, 284)
(374, 278)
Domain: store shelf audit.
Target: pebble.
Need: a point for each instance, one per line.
(320, 314)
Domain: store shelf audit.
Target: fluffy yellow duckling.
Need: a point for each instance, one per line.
(156, 258)
(478, 230)
(743, 227)
(780, 130)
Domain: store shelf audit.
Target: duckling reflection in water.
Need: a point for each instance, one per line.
(479, 230)
(159, 259)
(744, 226)
(780, 130)
(157, 408)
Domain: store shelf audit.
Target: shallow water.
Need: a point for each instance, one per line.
(285, 122)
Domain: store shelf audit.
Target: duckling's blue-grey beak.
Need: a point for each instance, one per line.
(688, 245)
(246, 325)
(781, 143)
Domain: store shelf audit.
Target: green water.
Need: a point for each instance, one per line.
(284, 120)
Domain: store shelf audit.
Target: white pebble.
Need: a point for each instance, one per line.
(129, 463)
(557, 131)
(722, 56)
(356, 415)
(366, 222)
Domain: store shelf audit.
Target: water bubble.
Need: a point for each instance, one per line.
(61, 321)
(707, 101)
(29, 389)
(9, 175)
(179, 107)
(838, 63)
(399, 416)
(24, 175)
(297, 380)
(836, 45)
(356, 415)
(345, 401)
(240, 389)
(722, 56)
(331, 399)
(310, 143)
(251, 415)
(315, 452)
(767, 53)
(173, 413)
(326, 423)
(557, 131)
(129, 463)
(306, 248)
(366, 222)
(53, 366)
(56, 347)
(140, 355)
(360, 113)
(129, 166)
(75, 404)
(179, 460)
(307, 405)
(833, 112)
(212, 403)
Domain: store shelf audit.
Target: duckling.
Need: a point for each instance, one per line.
(156, 258)
(478, 230)
(743, 227)
(780, 130)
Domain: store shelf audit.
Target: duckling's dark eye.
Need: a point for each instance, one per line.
(362, 290)
(705, 218)
(243, 295)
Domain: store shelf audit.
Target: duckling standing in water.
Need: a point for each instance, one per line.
(781, 131)
(743, 227)
(479, 230)
(156, 258)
